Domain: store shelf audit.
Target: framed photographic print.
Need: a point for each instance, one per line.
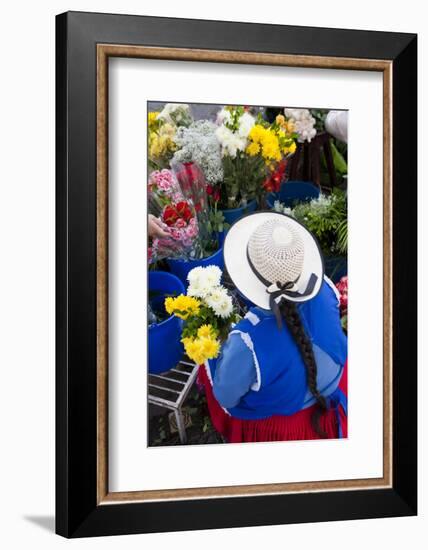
(236, 274)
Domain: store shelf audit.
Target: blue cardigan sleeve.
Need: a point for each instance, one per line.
(235, 372)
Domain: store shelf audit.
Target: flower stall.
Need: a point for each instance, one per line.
(205, 174)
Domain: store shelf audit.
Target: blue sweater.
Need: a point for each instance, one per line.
(260, 371)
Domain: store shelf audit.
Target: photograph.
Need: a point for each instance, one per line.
(212, 273)
(247, 273)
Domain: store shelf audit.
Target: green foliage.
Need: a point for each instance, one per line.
(319, 116)
(340, 164)
(235, 114)
(342, 237)
(327, 219)
(243, 176)
(216, 222)
(206, 316)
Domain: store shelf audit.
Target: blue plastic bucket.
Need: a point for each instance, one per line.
(181, 268)
(165, 348)
(233, 214)
(292, 192)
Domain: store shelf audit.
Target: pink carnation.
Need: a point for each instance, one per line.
(164, 181)
(180, 223)
(342, 287)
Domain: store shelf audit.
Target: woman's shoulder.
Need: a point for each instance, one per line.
(327, 298)
(329, 288)
(254, 316)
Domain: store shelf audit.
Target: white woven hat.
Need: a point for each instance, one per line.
(270, 256)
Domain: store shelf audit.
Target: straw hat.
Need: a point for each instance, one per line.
(270, 256)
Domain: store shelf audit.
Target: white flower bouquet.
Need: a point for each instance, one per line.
(208, 313)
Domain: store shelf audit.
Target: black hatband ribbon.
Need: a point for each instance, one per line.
(282, 289)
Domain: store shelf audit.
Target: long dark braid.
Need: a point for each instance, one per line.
(294, 323)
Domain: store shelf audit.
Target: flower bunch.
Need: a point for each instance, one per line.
(167, 202)
(204, 346)
(163, 189)
(179, 198)
(272, 143)
(303, 123)
(182, 240)
(242, 173)
(235, 124)
(161, 145)
(162, 129)
(342, 287)
(182, 306)
(207, 311)
(280, 207)
(204, 283)
(204, 197)
(176, 114)
(192, 183)
(273, 181)
(162, 183)
(178, 214)
(198, 144)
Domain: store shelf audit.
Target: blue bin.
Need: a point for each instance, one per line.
(181, 268)
(233, 214)
(292, 192)
(165, 348)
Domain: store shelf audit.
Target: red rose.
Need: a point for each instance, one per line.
(217, 195)
(183, 210)
(210, 189)
(170, 215)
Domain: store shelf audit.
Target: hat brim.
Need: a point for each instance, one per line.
(240, 272)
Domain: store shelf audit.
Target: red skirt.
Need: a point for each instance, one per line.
(297, 426)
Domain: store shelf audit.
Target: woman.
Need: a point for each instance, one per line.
(281, 372)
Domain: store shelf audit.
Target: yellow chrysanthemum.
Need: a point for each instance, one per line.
(205, 331)
(290, 148)
(155, 146)
(256, 133)
(153, 115)
(194, 350)
(210, 347)
(270, 149)
(169, 305)
(253, 149)
(201, 349)
(182, 306)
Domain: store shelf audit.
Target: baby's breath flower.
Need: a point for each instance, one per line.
(198, 144)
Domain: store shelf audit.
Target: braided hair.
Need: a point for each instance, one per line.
(295, 326)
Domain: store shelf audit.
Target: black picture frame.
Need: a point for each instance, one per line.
(78, 513)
